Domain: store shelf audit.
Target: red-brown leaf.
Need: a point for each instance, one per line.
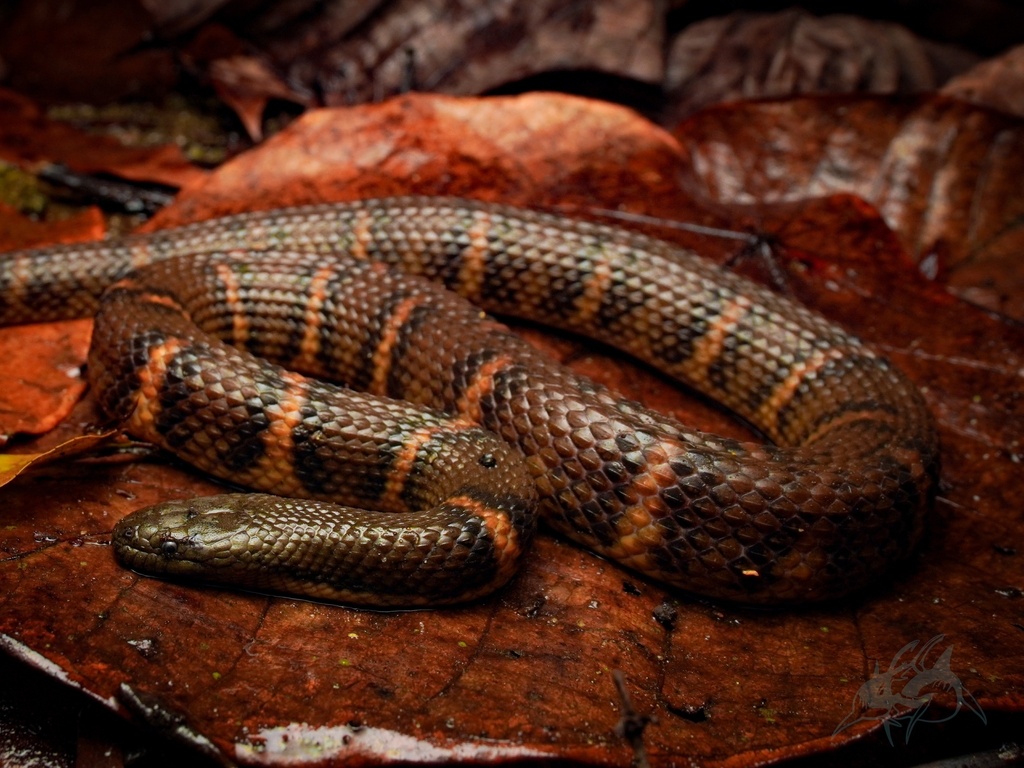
(28, 138)
(945, 175)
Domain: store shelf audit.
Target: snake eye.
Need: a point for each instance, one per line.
(488, 460)
(168, 547)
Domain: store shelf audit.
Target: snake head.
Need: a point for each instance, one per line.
(188, 538)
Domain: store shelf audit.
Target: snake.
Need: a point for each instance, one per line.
(341, 362)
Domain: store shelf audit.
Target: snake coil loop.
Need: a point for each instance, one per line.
(454, 398)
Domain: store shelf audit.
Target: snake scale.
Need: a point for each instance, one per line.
(466, 434)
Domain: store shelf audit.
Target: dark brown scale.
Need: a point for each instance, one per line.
(842, 496)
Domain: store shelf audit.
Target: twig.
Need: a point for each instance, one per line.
(632, 724)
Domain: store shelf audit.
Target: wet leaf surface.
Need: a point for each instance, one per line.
(527, 674)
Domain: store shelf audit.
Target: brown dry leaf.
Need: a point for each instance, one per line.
(99, 50)
(339, 52)
(461, 47)
(527, 674)
(791, 52)
(28, 139)
(246, 84)
(174, 18)
(945, 175)
(505, 43)
(295, 29)
(997, 82)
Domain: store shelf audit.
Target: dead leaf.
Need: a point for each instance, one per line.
(176, 18)
(461, 48)
(577, 151)
(92, 51)
(243, 81)
(246, 84)
(343, 53)
(997, 82)
(945, 175)
(22, 232)
(14, 464)
(527, 674)
(756, 55)
(28, 139)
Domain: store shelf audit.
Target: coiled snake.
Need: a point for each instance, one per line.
(841, 494)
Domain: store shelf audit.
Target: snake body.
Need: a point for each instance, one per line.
(355, 293)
